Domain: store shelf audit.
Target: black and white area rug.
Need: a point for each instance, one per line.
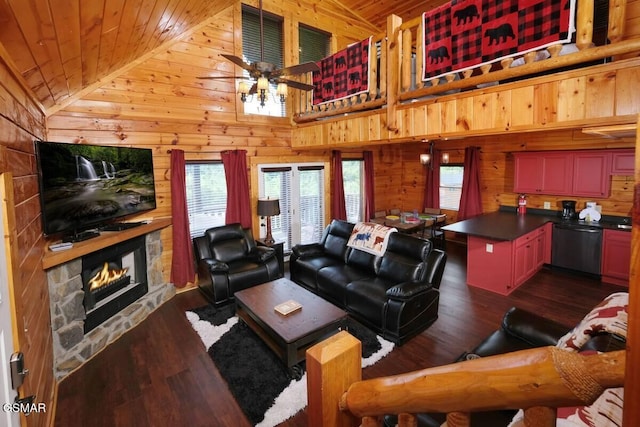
(256, 377)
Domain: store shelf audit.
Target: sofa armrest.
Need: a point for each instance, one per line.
(532, 328)
(215, 266)
(308, 250)
(407, 290)
(262, 254)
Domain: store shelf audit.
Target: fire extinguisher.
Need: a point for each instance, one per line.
(522, 204)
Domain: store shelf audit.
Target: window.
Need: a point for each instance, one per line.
(206, 196)
(352, 172)
(314, 44)
(252, 52)
(450, 186)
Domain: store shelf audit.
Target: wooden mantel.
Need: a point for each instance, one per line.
(106, 238)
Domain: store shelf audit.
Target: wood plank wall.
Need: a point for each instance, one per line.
(21, 121)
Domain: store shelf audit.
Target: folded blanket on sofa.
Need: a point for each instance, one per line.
(370, 237)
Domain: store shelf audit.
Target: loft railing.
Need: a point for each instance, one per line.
(537, 380)
(400, 65)
(304, 109)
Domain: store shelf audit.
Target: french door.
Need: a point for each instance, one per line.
(300, 189)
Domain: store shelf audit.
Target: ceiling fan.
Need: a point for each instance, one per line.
(264, 73)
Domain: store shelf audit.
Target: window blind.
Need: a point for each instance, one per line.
(206, 196)
(314, 44)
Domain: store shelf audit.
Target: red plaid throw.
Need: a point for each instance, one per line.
(343, 74)
(467, 33)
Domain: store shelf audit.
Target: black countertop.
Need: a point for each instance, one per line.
(506, 224)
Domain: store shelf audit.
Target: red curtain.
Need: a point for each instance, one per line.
(432, 183)
(470, 201)
(338, 207)
(182, 261)
(369, 190)
(238, 199)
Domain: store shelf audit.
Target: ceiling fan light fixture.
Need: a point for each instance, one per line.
(263, 84)
(281, 91)
(243, 90)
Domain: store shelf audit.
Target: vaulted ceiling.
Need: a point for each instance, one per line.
(62, 47)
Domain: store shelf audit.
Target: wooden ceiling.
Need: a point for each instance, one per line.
(62, 47)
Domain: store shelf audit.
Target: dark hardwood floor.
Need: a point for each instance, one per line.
(159, 373)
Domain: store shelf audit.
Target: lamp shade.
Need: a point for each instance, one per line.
(268, 207)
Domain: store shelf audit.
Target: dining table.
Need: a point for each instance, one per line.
(406, 223)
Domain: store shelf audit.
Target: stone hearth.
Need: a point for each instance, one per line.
(71, 346)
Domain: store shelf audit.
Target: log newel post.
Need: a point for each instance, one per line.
(332, 366)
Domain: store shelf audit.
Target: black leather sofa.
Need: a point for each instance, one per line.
(395, 295)
(520, 330)
(229, 260)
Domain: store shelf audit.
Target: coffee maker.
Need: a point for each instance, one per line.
(568, 209)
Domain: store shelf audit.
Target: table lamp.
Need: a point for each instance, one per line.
(268, 208)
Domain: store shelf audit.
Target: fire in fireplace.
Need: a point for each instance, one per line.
(109, 279)
(113, 278)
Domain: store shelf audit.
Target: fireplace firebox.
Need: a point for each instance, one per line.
(113, 278)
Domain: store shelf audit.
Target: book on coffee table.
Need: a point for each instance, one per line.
(288, 307)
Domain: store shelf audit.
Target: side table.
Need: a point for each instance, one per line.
(279, 247)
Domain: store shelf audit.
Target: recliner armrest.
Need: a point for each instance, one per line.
(308, 250)
(532, 328)
(263, 253)
(215, 266)
(407, 290)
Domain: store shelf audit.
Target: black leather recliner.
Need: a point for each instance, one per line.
(229, 260)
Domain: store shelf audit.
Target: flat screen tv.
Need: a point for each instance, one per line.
(88, 186)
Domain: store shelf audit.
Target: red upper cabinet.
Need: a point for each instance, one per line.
(543, 173)
(591, 174)
(623, 162)
(584, 173)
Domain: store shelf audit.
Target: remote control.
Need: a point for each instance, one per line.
(61, 246)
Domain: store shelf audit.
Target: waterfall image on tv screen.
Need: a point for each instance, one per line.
(85, 185)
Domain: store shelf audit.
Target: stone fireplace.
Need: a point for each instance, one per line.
(84, 321)
(112, 279)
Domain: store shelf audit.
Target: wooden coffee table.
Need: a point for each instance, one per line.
(288, 336)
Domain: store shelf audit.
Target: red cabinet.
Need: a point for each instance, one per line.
(623, 162)
(584, 173)
(616, 257)
(543, 173)
(502, 266)
(591, 174)
(528, 255)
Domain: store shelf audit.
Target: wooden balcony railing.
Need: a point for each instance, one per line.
(398, 70)
(304, 110)
(537, 380)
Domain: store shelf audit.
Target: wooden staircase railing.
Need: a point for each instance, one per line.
(537, 380)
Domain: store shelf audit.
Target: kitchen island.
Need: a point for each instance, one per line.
(505, 249)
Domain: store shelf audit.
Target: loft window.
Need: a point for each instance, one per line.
(273, 53)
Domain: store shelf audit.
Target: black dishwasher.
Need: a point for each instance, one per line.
(577, 247)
